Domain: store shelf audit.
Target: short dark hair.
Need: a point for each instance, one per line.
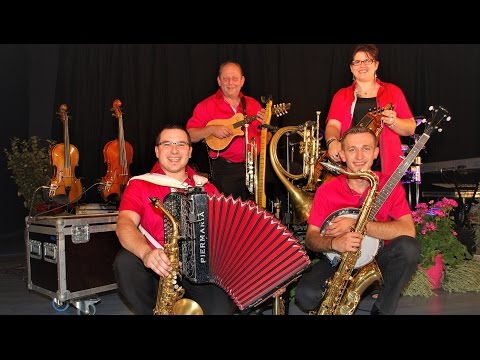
(370, 49)
(358, 130)
(170, 127)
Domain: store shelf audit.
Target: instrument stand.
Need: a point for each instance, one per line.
(465, 206)
(464, 227)
(414, 184)
(287, 216)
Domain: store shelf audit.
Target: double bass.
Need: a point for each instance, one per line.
(65, 188)
(118, 155)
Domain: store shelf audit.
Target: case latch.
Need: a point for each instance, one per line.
(35, 249)
(80, 234)
(50, 252)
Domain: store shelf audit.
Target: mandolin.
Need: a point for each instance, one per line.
(64, 186)
(118, 155)
(235, 124)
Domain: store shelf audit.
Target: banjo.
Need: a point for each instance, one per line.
(370, 245)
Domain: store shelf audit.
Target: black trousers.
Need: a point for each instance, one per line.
(139, 285)
(229, 178)
(397, 262)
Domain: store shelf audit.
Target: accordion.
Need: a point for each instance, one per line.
(236, 245)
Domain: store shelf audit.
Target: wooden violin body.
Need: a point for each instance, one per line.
(373, 119)
(65, 187)
(118, 155)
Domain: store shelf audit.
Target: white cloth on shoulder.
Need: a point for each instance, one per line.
(165, 180)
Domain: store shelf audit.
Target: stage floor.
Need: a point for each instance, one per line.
(16, 299)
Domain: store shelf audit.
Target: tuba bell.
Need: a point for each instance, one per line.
(301, 197)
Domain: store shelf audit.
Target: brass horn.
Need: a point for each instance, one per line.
(301, 199)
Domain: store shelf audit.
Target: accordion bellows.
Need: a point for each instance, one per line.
(240, 247)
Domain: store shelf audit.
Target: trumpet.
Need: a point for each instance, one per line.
(251, 166)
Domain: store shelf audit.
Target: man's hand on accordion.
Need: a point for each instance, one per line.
(158, 261)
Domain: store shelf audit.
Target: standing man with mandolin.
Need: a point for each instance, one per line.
(218, 120)
(350, 104)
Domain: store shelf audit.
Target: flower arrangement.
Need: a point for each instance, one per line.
(435, 232)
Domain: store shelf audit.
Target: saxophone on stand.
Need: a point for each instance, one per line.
(344, 291)
(170, 299)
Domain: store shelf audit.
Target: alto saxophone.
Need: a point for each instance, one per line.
(170, 294)
(344, 291)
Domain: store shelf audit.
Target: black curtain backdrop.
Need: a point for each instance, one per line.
(161, 83)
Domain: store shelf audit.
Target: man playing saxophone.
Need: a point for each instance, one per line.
(397, 259)
(140, 229)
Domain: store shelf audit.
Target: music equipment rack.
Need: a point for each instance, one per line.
(451, 165)
(460, 178)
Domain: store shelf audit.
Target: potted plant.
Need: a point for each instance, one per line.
(435, 231)
(440, 249)
(30, 165)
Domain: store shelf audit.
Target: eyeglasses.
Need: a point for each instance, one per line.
(366, 62)
(178, 144)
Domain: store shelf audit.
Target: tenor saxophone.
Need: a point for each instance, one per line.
(170, 299)
(344, 291)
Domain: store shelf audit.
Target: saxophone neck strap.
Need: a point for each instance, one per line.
(244, 106)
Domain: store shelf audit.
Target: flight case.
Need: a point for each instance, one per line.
(69, 258)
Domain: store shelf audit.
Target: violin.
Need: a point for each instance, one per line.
(118, 155)
(373, 119)
(321, 174)
(65, 188)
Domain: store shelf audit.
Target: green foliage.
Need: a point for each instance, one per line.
(419, 285)
(477, 237)
(462, 278)
(29, 162)
(435, 232)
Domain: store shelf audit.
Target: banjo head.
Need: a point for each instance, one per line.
(368, 248)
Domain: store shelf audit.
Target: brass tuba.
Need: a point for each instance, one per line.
(170, 293)
(302, 198)
(344, 291)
